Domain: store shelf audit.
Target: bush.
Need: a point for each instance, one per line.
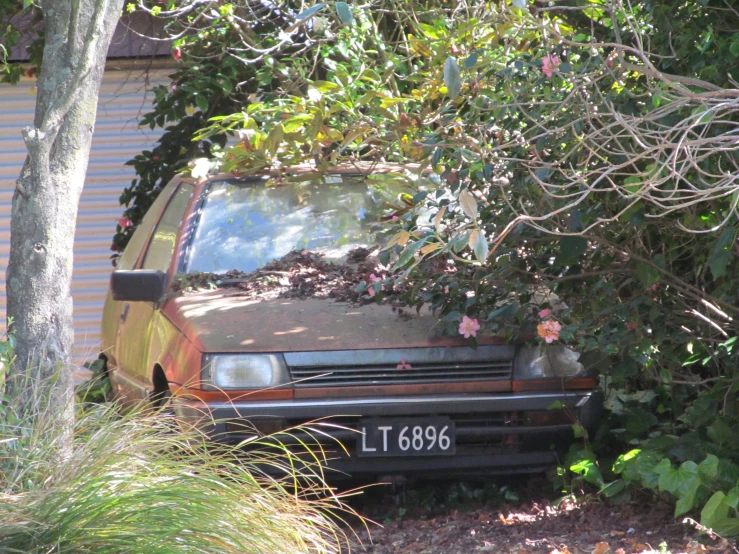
(129, 483)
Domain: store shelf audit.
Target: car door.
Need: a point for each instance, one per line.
(129, 259)
(135, 321)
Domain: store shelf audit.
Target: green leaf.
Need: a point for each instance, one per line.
(612, 489)
(570, 249)
(589, 471)
(481, 247)
(310, 11)
(580, 431)
(727, 527)
(716, 509)
(637, 465)
(452, 77)
(678, 481)
(708, 468)
(646, 274)
(408, 254)
(468, 203)
(687, 501)
(722, 253)
(556, 405)
(345, 13)
(732, 498)
(471, 60)
(202, 102)
(274, 139)
(620, 463)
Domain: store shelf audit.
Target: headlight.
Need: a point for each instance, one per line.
(545, 361)
(243, 371)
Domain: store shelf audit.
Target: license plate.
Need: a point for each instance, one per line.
(428, 436)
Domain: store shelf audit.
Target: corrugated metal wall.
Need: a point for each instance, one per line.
(116, 140)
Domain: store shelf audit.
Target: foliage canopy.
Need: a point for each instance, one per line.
(588, 149)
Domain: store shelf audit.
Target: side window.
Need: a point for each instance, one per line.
(163, 243)
(133, 249)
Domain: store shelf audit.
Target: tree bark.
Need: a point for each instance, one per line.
(44, 214)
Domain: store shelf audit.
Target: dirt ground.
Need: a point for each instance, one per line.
(526, 518)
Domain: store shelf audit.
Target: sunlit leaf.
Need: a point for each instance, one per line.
(589, 471)
(400, 238)
(472, 239)
(452, 78)
(716, 509)
(468, 203)
(429, 248)
(437, 219)
(481, 247)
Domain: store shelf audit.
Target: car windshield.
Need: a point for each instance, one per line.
(243, 226)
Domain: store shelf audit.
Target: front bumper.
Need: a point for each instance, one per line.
(495, 432)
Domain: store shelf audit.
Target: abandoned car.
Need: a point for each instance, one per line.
(237, 298)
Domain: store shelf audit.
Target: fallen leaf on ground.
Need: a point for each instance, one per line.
(602, 548)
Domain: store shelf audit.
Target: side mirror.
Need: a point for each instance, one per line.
(138, 285)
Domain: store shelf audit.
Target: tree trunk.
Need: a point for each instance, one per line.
(38, 282)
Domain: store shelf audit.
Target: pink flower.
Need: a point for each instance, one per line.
(446, 289)
(177, 53)
(632, 326)
(468, 327)
(403, 364)
(395, 218)
(375, 279)
(549, 65)
(549, 330)
(545, 313)
(125, 223)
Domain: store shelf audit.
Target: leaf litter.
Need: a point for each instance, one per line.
(301, 274)
(544, 526)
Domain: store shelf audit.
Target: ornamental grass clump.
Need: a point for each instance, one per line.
(139, 482)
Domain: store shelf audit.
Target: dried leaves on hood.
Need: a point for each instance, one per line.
(302, 274)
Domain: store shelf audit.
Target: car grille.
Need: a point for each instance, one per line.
(380, 367)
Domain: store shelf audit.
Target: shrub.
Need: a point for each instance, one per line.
(130, 483)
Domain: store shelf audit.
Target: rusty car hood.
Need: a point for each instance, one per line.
(224, 321)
